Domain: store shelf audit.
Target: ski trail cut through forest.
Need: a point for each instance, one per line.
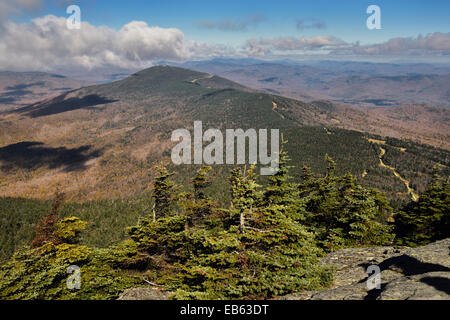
(414, 196)
(275, 109)
(209, 76)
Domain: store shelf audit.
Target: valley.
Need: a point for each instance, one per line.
(406, 101)
(100, 141)
(224, 151)
(356, 83)
(18, 89)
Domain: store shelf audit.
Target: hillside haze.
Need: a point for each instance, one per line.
(357, 83)
(402, 100)
(101, 141)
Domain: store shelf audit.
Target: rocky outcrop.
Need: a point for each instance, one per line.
(144, 293)
(406, 273)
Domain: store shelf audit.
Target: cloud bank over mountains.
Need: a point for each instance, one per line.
(46, 44)
(264, 47)
(432, 44)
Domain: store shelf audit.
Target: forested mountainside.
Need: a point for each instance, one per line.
(266, 243)
(106, 136)
(86, 180)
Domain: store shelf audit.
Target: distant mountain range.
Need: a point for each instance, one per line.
(100, 141)
(357, 83)
(413, 96)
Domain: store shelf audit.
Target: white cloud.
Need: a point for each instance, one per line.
(47, 44)
(432, 44)
(262, 47)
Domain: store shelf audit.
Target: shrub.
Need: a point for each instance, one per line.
(41, 273)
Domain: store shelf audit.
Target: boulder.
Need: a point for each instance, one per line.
(144, 293)
(421, 273)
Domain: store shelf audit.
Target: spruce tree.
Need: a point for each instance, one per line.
(198, 206)
(280, 250)
(281, 190)
(163, 192)
(428, 219)
(342, 213)
(245, 196)
(162, 234)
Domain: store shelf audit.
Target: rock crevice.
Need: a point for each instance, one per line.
(421, 273)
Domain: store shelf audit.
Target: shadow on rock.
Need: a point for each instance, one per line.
(410, 266)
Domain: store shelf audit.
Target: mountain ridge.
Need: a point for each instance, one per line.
(117, 130)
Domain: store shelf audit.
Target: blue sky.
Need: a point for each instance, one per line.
(345, 19)
(135, 34)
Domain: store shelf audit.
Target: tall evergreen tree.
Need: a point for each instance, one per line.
(280, 189)
(428, 219)
(198, 206)
(245, 196)
(163, 192)
(263, 252)
(342, 213)
(279, 247)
